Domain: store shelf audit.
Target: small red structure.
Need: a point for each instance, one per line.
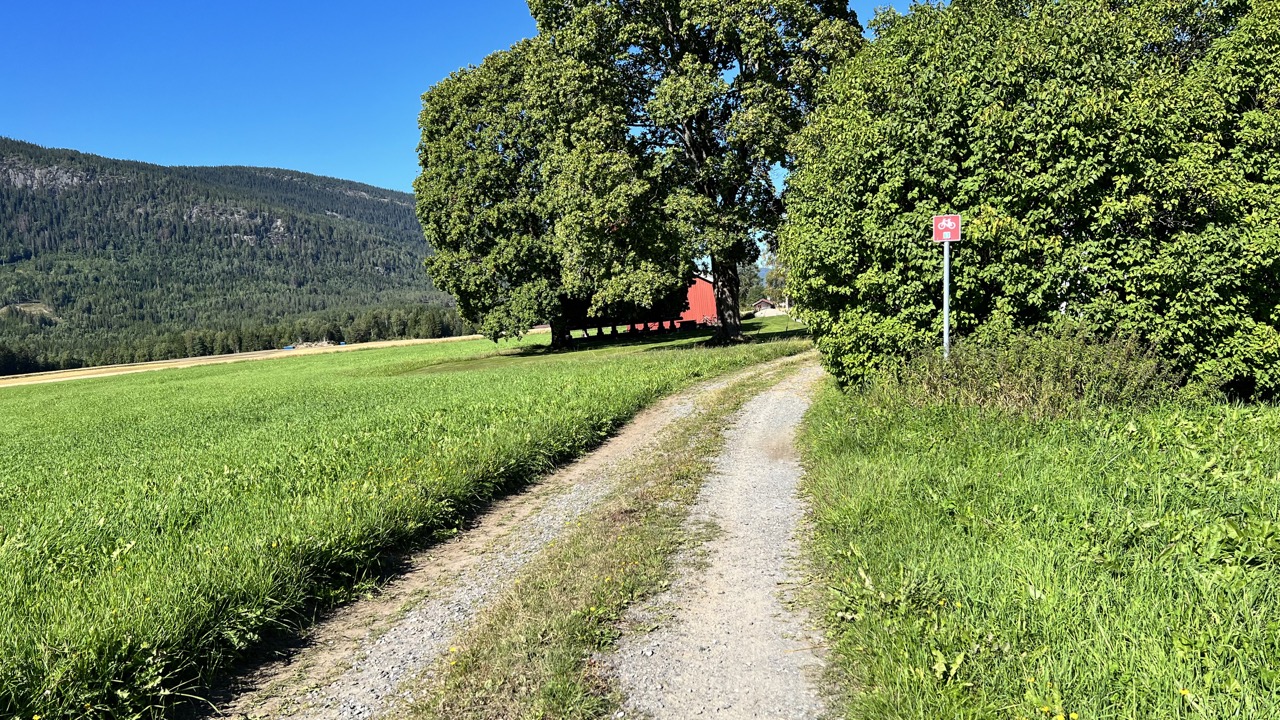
(702, 303)
(701, 313)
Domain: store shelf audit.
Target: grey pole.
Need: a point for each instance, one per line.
(946, 299)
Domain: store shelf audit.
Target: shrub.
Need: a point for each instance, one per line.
(1115, 163)
(1039, 375)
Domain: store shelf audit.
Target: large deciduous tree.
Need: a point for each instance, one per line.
(535, 199)
(1116, 163)
(478, 197)
(712, 90)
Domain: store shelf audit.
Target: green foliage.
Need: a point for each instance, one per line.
(154, 526)
(533, 201)
(111, 261)
(584, 171)
(1116, 163)
(477, 197)
(706, 94)
(1112, 564)
(752, 287)
(1060, 371)
(775, 280)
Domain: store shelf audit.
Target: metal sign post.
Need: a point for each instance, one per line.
(946, 230)
(946, 299)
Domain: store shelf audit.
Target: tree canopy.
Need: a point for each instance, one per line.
(712, 91)
(1116, 164)
(534, 200)
(593, 166)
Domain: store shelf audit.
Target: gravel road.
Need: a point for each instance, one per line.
(353, 665)
(727, 642)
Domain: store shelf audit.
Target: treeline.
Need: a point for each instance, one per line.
(27, 349)
(107, 261)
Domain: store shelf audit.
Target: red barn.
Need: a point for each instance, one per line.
(702, 310)
(702, 303)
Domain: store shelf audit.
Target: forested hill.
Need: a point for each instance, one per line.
(106, 260)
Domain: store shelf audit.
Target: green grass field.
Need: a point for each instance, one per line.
(1098, 565)
(154, 526)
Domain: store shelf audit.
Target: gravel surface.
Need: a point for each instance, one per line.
(727, 643)
(354, 664)
(424, 633)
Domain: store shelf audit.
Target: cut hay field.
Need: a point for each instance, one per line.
(155, 526)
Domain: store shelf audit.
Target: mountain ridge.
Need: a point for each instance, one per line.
(121, 256)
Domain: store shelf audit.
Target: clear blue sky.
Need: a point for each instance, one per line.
(323, 87)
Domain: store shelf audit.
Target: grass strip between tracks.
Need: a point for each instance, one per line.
(533, 652)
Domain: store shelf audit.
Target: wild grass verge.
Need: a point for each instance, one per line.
(1106, 554)
(1057, 371)
(153, 527)
(531, 654)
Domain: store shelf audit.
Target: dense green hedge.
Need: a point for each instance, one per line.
(1118, 163)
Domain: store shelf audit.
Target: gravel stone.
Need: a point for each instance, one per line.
(728, 642)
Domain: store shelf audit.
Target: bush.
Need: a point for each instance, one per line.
(1115, 163)
(1042, 375)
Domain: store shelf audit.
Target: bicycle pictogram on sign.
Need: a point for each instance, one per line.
(946, 228)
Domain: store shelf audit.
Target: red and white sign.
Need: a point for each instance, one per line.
(946, 228)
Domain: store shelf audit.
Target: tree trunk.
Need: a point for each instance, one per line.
(560, 337)
(725, 279)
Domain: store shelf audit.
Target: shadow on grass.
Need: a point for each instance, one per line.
(598, 347)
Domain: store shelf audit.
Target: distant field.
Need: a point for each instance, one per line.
(1105, 565)
(153, 526)
(128, 368)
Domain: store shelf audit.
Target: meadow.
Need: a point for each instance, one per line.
(154, 527)
(1098, 563)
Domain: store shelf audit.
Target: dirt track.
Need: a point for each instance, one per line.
(356, 664)
(366, 661)
(727, 642)
(109, 370)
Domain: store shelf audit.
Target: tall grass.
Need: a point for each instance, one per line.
(1100, 554)
(154, 526)
(1050, 373)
